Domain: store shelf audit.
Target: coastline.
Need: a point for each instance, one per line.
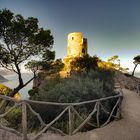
(3, 79)
(13, 81)
(137, 74)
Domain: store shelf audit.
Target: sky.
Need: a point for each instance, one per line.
(112, 27)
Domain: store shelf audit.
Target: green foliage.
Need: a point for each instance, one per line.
(86, 62)
(33, 65)
(136, 62)
(50, 66)
(74, 89)
(113, 59)
(20, 39)
(77, 88)
(32, 92)
(57, 65)
(112, 63)
(106, 76)
(48, 55)
(137, 59)
(14, 118)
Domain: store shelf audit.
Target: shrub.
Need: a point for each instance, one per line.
(77, 88)
(14, 118)
(74, 89)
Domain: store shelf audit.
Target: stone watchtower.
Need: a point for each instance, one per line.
(76, 47)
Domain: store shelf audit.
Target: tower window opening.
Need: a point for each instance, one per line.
(72, 38)
(83, 50)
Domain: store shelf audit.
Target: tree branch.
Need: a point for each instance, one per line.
(29, 81)
(6, 67)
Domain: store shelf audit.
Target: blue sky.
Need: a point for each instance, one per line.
(111, 26)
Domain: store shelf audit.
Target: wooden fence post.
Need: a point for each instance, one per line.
(138, 89)
(24, 120)
(70, 120)
(118, 115)
(98, 113)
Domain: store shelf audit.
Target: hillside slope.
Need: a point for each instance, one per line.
(127, 81)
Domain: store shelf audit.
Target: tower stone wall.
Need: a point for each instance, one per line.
(76, 47)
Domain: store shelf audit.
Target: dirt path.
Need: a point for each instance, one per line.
(128, 128)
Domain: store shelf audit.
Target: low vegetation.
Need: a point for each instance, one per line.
(79, 86)
(76, 88)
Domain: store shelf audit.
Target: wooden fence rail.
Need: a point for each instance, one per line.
(69, 108)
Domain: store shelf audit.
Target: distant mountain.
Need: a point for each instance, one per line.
(5, 72)
(2, 79)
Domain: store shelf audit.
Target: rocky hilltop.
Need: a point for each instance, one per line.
(127, 81)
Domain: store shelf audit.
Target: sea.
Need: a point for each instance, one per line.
(13, 82)
(137, 74)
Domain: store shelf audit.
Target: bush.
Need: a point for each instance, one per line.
(74, 89)
(77, 88)
(14, 118)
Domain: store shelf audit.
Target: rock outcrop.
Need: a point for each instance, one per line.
(127, 81)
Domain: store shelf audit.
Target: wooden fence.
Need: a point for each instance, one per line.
(68, 108)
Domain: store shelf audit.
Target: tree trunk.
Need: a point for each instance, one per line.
(16, 90)
(134, 69)
(4, 103)
(19, 76)
(20, 87)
